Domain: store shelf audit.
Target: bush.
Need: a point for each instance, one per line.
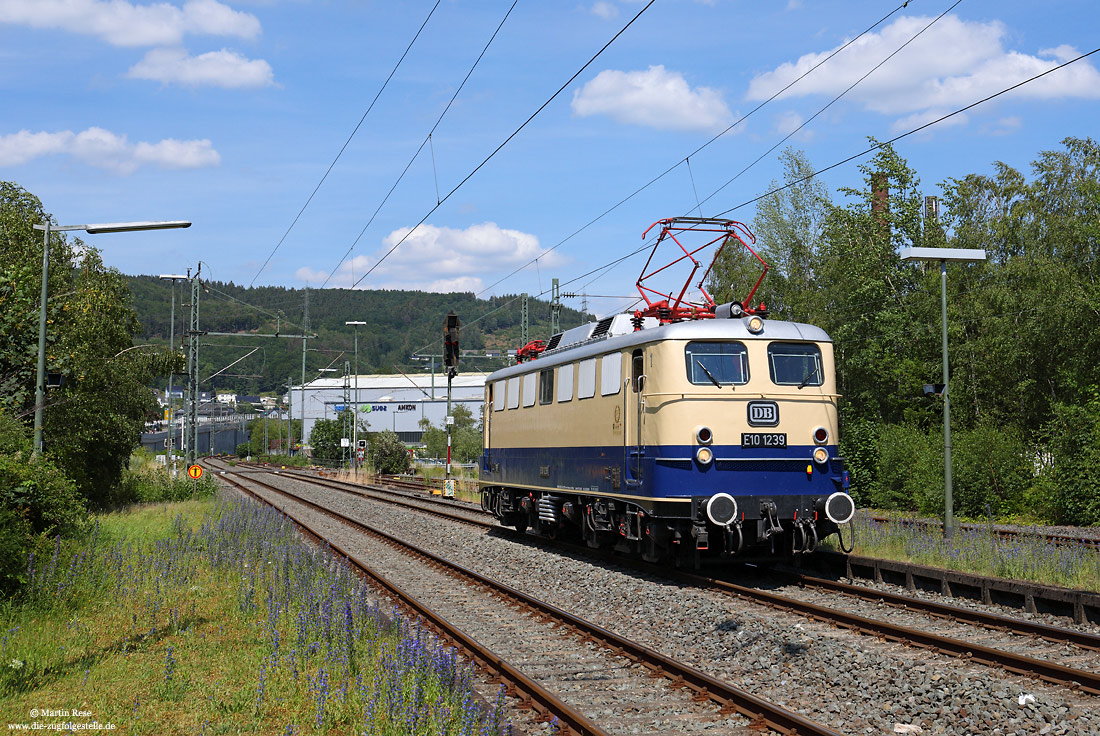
(388, 454)
(859, 448)
(909, 475)
(151, 484)
(990, 471)
(38, 492)
(243, 450)
(16, 538)
(1073, 472)
(36, 500)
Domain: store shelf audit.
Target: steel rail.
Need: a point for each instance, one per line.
(1056, 538)
(973, 617)
(1048, 671)
(446, 511)
(984, 619)
(706, 687)
(531, 695)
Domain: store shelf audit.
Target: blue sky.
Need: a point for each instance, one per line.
(228, 112)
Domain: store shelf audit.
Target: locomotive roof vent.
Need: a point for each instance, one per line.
(603, 327)
(571, 337)
(613, 326)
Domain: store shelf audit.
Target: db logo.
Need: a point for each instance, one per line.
(763, 414)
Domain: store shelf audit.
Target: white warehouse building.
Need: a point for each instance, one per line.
(396, 402)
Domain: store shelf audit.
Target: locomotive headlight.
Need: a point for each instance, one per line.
(821, 436)
(704, 455)
(821, 456)
(704, 435)
(756, 325)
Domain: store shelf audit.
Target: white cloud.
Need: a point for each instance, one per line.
(216, 68)
(655, 98)
(123, 23)
(309, 275)
(106, 150)
(1003, 126)
(788, 122)
(953, 63)
(917, 119)
(605, 10)
(440, 259)
(1062, 53)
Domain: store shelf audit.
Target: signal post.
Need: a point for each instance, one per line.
(450, 360)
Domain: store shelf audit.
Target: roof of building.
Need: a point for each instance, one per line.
(399, 381)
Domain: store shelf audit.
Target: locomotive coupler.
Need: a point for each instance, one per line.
(733, 532)
(701, 538)
(769, 520)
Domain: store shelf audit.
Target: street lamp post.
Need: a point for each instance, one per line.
(355, 325)
(172, 278)
(46, 227)
(943, 255)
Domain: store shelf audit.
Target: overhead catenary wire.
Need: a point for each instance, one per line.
(427, 141)
(830, 103)
(908, 133)
(877, 145)
(789, 135)
(870, 149)
(823, 108)
(348, 141)
(676, 165)
(506, 141)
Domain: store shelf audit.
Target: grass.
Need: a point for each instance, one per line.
(290, 461)
(466, 485)
(211, 617)
(979, 551)
(146, 480)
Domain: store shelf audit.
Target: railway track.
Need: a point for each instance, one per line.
(594, 653)
(1055, 538)
(942, 611)
(1051, 672)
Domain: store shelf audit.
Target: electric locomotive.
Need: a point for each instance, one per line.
(687, 428)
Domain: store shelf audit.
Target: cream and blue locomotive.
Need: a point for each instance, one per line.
(671, 437)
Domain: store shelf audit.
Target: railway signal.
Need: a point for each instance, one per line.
(450, 341)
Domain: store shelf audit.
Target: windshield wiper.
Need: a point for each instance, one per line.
(809, 375)
(709, 374)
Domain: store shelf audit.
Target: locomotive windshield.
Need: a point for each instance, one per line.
(795, 364)
(717, 363)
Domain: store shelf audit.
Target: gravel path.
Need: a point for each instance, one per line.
(849, 682)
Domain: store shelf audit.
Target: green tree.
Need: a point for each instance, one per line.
(788, 226)
(325, 438)
(434, 439)
(94, 421)
(388, 453)
(276, 435)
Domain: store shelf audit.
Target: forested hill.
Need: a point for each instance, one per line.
(398, 323)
